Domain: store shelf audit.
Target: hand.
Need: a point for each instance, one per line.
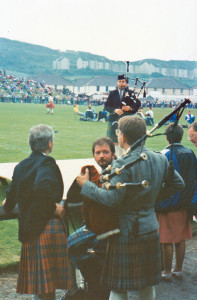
(59, 211)
(118, 111)
(126, 108)
(4, 201)
(82, 178)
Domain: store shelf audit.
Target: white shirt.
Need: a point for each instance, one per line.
(149, 113)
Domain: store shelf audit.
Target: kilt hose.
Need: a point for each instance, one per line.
(132, 263)
(44, 262)
(111, 132)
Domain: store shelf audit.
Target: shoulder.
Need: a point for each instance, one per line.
(158, 156)
(48, 161)
(113, 92)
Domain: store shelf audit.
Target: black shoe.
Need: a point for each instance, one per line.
(79, 295)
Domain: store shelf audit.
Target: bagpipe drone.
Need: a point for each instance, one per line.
(106, 175)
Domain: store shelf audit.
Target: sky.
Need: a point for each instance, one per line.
(119, 30)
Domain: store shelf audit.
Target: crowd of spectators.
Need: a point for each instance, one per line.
(21, 90)
(165, 104)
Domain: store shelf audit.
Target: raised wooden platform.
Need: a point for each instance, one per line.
(69, 168)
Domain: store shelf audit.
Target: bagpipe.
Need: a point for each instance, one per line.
(87, 244)
(91, 213)
(106, 175)
(131, 96)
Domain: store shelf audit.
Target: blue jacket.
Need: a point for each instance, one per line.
(184, 161)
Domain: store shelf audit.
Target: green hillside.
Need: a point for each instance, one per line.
(26, 58)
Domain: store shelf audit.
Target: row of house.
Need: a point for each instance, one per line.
(158, 88)
(145, 67)
(63, 63)
(148, 66)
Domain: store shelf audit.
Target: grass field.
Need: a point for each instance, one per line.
(73, 139)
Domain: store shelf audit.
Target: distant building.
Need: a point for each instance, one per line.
(61, 64)
(167, 89)
(57, 82)
(81, 64)
(166, 68)
(97, 84)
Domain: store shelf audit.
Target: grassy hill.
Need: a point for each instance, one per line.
(32, 59)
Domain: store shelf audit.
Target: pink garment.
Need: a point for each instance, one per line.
(174, 227)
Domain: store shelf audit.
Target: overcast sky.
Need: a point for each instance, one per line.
(120, 30)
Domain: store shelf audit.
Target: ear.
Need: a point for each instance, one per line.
(124, 138)
(50, 146)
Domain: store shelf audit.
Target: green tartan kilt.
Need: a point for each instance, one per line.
(111, 132)
(132, 263)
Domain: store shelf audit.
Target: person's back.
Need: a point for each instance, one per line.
(173, 212)
(141, 201)
(137, 245)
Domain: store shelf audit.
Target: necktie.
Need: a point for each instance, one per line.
(121, 94)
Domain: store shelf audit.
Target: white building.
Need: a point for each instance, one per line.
(82, 64)
(61, 64)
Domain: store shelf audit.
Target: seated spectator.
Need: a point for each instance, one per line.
(103, 115)
(90, 113)
(140, 113)
(76, 110)
(147, 116)
(190, 118)
(172, 118)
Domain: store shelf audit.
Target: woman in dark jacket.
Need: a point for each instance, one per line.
(37, 187)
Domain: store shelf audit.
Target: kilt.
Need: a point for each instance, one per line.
(111, 132)
(44, 262)
(132, 263)
(50, 105)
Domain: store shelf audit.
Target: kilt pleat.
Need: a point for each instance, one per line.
(132, 263)
(44, 262)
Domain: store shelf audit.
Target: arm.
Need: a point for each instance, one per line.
(46, 191)
(111, 106)
(108, 104)
(132, 104)
(110, 198)
(10, 200)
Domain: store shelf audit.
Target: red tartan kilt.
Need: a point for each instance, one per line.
(50, 105)
(44, 262)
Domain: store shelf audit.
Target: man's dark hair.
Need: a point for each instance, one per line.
(174, 134)
(133, 128)
(194, 125)
(102, 141)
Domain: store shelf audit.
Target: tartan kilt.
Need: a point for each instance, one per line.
(50, 105)
(132, 263)
(44, 262)
(111, 132)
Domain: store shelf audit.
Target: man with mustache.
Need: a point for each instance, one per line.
(96, 218)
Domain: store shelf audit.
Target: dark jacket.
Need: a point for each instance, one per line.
(113, 102)
(184, 161)
(36, 186)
